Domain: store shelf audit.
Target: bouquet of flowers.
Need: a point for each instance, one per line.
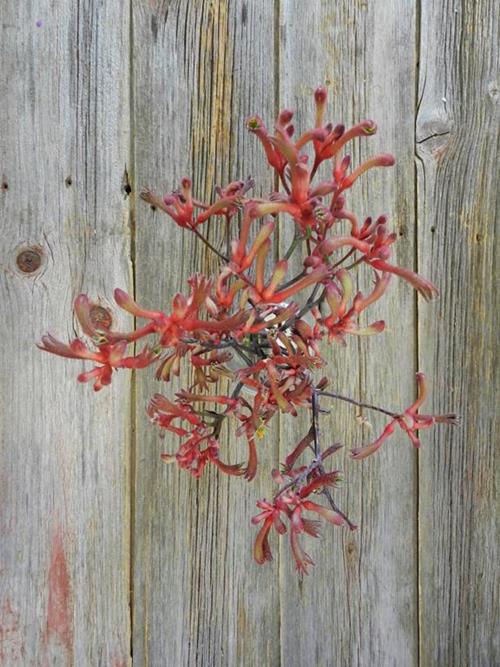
(252, 333)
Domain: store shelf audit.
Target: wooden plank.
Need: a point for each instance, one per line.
(359, 605)
(64, 504)
(457, 135)
(200, 69)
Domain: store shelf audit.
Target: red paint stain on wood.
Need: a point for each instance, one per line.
(59, 612)
(11, 640)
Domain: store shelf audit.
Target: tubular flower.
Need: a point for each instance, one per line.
(342, 320)
(409, 421)
(109, 357)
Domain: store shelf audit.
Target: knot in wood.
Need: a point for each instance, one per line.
(29, 260)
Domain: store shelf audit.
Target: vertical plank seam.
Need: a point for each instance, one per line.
(133, 386)
(277, 65)
(418, 27)
(362, 373)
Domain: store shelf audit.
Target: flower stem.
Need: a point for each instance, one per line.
(368, 406)
(208, 244)
(296, 240)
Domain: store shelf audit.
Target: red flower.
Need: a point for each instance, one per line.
(410, 421)
(271, 517)
(111, 348)
(198, 450)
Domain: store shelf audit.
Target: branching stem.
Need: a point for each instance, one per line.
(208, 244)
(368, 406)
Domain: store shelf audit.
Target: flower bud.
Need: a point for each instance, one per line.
(277, 476)
(346, 161)
(384, 252)
(320, 95)
(338, 131)
(368, 126)
(254, 123)
(179, 305)
(285, 116)
(385, 160)
(320, 134)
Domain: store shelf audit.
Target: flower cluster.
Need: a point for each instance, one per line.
(257, 326)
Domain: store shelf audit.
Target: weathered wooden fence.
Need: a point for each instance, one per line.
(108, 557)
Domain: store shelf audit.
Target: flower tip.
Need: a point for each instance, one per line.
(360, 453)
(320, 95)
(254, 123)
(277, 476)
(248, 473)
(384, 253)
(81, 300)
(146, 194)
(121, 296)
(320, 134)
(451, 418)
(427, 289)
(338, 131)
(346, 161)
(46, 344)
(386, 160)
(285, 116)
(369, 126)
(378, 326)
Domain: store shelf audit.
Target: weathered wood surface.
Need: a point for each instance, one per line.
(64, 478)
(458, 183)
(199, 599)
(107, 555)
(360, 607)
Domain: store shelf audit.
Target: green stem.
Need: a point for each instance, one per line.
(296, 240)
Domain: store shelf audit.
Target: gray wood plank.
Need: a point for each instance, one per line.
(359, 605)
(64, 478)
(458, 176)
(199, 599)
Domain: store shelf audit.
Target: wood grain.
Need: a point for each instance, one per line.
(107, 555)
(458, 143)
(64, 482)
(199, 599)
(359, 606)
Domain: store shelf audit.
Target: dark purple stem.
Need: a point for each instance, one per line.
(368, 406)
